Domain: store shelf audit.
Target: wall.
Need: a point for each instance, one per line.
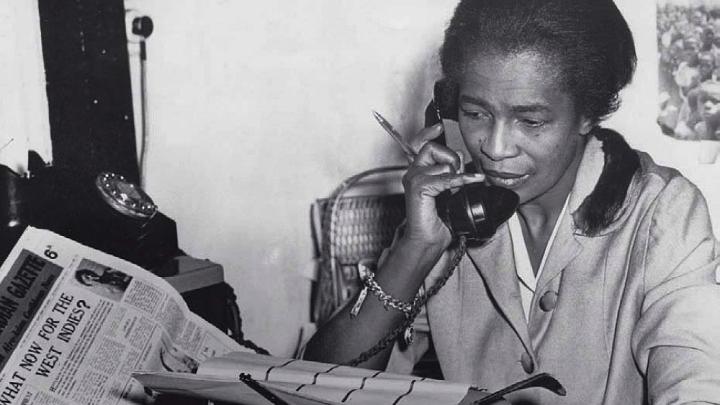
(258, 108)
(23, 106)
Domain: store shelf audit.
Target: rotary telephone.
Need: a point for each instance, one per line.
(103, 211)
(474, 211)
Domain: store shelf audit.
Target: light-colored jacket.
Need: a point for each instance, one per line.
(629, 316)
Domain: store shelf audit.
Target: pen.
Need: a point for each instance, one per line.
(407, 149)
(254, 385)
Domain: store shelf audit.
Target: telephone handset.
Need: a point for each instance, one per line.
(474, 210)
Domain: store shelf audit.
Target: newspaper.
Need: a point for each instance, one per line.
(76, 322)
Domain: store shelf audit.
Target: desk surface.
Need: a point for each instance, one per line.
(194, 274)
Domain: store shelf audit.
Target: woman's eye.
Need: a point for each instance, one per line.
(533, 123)
(476, 115)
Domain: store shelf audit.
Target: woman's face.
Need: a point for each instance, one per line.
(89, 278)
(522, 130)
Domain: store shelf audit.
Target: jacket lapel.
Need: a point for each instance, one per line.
(567, 245)
(563, 250)
(496, 264)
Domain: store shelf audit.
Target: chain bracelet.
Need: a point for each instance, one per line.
(388, 339)
(388, 301)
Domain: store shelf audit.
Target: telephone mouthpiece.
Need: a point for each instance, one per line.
(500, 203)
(476, 210)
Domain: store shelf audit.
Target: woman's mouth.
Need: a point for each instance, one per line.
(504, 179)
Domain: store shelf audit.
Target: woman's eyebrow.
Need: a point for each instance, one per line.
(525, 108)
(530, 108)
(474, 100)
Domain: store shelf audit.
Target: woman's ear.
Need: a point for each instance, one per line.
(586, 125)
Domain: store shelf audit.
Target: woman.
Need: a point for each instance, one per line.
(605, 277)
(114, 280)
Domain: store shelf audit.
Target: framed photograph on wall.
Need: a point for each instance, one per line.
(688, 35)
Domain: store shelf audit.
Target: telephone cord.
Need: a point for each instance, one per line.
(386, 340)
(234, 321)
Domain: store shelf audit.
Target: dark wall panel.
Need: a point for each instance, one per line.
(88, 85)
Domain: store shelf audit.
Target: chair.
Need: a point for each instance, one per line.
(348, 227)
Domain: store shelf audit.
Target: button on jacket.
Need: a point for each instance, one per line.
(628, 315)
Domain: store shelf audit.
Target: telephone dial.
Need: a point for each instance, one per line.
(474, 211)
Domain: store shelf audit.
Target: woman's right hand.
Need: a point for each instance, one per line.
(436, 168)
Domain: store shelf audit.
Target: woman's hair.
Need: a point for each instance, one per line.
(588, 40)
(84, 272)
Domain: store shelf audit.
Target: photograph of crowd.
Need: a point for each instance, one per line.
(688, 35)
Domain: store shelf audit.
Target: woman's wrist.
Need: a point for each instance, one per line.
(409, 261)
(424, 249)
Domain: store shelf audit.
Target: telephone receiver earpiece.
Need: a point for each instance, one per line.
(474, 210)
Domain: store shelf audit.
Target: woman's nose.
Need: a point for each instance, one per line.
(499, 144)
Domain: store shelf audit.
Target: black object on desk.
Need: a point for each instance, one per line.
(103, 211)
(13, 209)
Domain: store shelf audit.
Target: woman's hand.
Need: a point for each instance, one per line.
(435, 169)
